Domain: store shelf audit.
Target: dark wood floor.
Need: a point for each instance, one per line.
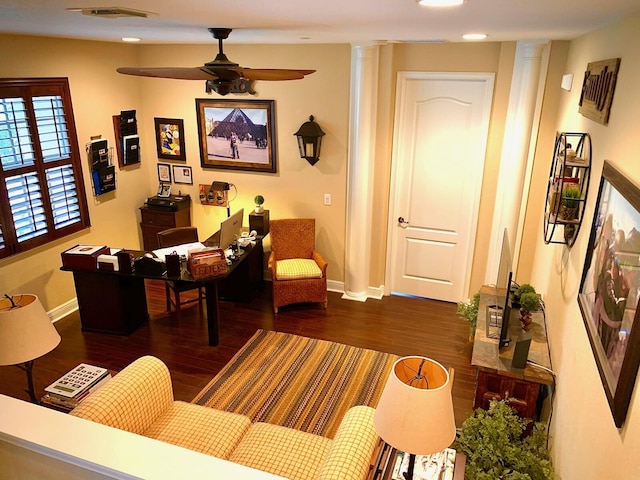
(399, 325)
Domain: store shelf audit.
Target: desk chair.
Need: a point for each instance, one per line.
(298, 272)
(170, 238)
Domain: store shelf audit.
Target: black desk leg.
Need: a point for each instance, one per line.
(211, 292)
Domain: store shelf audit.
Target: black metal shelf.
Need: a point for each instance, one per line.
(570, 169)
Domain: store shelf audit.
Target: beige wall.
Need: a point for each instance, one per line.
(586, 443)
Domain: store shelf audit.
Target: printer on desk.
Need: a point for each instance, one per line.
(172, 202)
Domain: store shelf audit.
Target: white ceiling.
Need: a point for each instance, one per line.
(321, 21)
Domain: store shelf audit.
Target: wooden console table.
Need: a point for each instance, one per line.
(495, 377)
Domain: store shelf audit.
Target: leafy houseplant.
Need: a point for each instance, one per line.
(495, 448)
(469, 311)
(570, 202)
(258, 200)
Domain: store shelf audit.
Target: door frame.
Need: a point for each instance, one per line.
(401, 80)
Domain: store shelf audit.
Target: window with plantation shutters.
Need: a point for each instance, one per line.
(41, 188)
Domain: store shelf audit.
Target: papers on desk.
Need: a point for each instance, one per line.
(183, 250)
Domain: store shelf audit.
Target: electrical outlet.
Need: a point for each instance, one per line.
(327, 199)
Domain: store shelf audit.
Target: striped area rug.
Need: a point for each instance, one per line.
(298, 382)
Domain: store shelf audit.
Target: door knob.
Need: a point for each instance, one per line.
(402, 221)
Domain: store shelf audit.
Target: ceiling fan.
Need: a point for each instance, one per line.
(220, 73)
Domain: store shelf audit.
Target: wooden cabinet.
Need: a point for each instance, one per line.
(155, 220)
(496, 379)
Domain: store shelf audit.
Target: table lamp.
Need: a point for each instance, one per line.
(26, 333)
(415, 411)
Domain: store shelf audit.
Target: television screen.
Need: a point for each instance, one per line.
(506, 313)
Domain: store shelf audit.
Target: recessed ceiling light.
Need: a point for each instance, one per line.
(474, 36)
(130, 39)
(440, 3)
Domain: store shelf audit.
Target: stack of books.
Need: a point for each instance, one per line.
(73, 387)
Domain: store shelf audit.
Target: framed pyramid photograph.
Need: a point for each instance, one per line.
(237, 135)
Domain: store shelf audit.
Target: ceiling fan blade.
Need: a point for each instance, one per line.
(272, 73)
(179, 73)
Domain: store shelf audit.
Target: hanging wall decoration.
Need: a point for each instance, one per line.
(597, 89)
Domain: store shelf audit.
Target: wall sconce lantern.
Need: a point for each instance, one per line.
(309, 140)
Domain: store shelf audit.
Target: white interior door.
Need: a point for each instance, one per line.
(441, 127)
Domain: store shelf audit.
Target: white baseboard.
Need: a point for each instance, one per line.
(63, 310)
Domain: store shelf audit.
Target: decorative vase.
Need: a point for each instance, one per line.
(569, 213)
(258, 209)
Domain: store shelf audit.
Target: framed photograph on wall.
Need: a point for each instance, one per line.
(170, 138)
(610, 286)
(237, 135)
(182, 174)
(164, 173)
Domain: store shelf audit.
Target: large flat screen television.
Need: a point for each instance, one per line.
(503, 288)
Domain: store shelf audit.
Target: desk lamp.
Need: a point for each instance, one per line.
(26, 333)
(415, 411)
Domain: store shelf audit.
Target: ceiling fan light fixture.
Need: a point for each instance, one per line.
(440, 3)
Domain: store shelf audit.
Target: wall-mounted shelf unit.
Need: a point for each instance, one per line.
(567, 188)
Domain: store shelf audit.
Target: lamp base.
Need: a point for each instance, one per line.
(408, 475)
(28, 367)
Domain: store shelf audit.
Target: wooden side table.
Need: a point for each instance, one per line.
(259, 222)
(495, 377)
(384, 462)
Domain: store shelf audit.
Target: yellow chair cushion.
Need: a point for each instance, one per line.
(297, 268)
(204, 430)
(282, 451)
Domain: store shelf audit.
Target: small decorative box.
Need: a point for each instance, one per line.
(207, 263)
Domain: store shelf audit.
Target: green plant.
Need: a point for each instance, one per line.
(530, 301)
(571, 196)
(525, 288)
(469, 311)
(496, 449)
(258, 199)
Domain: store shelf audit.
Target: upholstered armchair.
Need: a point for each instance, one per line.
(298, 272)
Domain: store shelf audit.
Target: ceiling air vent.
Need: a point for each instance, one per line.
(111, 12)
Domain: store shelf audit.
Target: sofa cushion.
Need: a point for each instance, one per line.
(297, 268)
(198, 428)
(282, 451)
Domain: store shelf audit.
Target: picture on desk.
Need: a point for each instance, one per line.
(237, 135)
(610, 288)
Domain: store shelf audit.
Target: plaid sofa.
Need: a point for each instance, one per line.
(140, 400)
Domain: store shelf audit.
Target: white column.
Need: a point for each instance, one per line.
(362, 121)
(515, 152)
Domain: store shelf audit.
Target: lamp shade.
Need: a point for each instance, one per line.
(26, 331)
(415, 411)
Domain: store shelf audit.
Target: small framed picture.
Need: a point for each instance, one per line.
(170, 138)
(164, 173)
(182, 174)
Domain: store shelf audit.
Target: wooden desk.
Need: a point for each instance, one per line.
(495, 378)
(116, 302)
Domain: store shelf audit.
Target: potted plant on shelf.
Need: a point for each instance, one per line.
(570, 203)
(258, 200)
(496, 448)
(469, 311)
(529, 302)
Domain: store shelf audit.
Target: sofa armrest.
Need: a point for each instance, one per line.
(353, 447)
(131, 400)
